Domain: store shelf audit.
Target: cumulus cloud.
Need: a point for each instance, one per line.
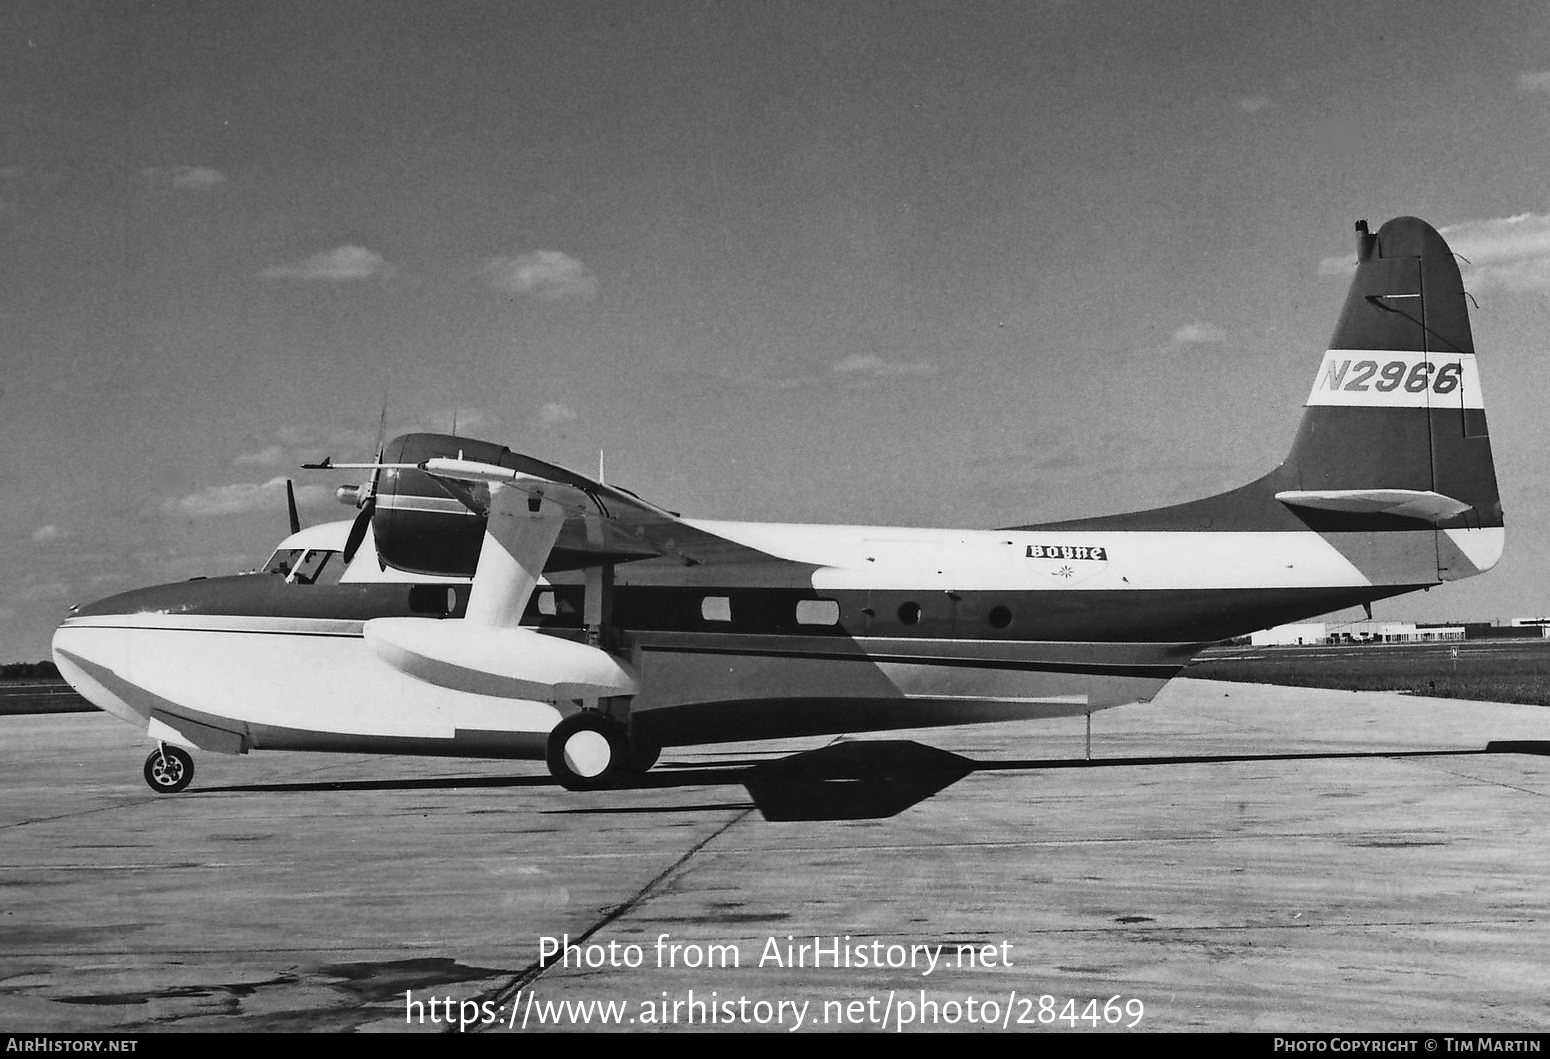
(554, 415)
(1253, 104)
(44, 591)
(869, 366)
(241, 497)
(339, 265)
(50, 532)
(1196, 334)
(1510, 253)
(1531, 83)
(312, 436)
(546, 274)
(187, 177)
(269, 456)
(1338, 265)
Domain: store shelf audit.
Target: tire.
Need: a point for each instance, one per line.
(644, 752)
(169, 770)
(587, 752)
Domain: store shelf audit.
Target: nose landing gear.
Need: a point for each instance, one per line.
(169, 769)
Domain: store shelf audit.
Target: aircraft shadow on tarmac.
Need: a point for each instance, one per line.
(850, 780)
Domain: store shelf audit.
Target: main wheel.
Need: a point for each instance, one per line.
(587, 752)
(644, 752)
(169, 769)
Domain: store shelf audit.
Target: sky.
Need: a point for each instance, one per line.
(942, 264)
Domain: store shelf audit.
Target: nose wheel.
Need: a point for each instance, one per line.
(169, 769)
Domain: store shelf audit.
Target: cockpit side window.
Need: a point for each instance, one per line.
(282, 562)
(319, 567)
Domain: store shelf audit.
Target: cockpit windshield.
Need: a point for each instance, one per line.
(306, 566)
(282, 562)
(318, 567)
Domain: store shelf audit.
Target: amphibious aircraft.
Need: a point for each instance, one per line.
(491, 604)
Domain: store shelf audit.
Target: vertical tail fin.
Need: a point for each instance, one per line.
(1396, 406)
(1393, 434)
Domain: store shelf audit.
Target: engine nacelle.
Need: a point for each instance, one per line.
(427, 527)
(418, 525)
(510, 663)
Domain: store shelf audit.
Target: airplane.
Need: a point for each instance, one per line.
(486, 603)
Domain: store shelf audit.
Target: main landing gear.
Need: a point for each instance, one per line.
(169, 769)
(589, 751)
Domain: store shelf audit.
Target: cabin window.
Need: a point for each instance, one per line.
(818, 612)
(439, 600)
(1000, 617)
(546, 604)
(909, 613)
(716, 608)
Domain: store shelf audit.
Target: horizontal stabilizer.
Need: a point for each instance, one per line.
(1407, 503)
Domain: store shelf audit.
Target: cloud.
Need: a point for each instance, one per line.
(868, 366)
(1338, 264)
(1253, 104)
(50, 532)
(46, 590)
(1509, 253)
(310, 436)
(333, 266)
(1530, 83)
(242, 497)
(270, 456)
(545, 274)
(187, 177)
(751, 380)
(1196, 334)
(554, 415)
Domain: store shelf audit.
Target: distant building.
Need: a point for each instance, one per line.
(1283, 635)
(1353, 632)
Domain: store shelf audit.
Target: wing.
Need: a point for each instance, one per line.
(531, 510)
(599, 523)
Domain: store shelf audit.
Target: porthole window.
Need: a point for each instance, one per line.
(1000, 617)
(818, 612)
(546, 605)
(909, 613)
(716, 608)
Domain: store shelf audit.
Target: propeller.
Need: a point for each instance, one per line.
(358, 528)
(366, 495)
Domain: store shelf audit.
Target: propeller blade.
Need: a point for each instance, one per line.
(358, 529)
(290, 504)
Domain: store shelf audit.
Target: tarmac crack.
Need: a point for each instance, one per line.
(64, 816)
(1251, 928)
(533, 971)
(1479, 779)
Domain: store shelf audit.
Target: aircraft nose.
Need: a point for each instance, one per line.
(90, 657)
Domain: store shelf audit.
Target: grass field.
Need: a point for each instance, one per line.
(40, 696)
(1483, 670)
